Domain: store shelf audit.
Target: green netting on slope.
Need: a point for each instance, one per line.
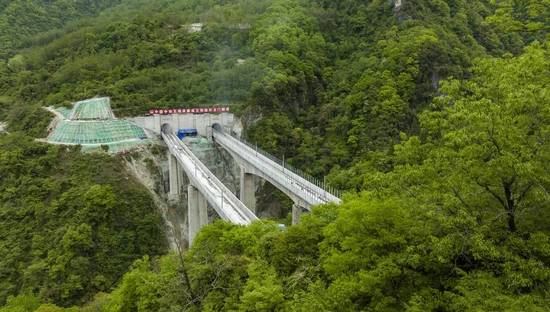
(95, 132)
(92, 109)
(64, 111)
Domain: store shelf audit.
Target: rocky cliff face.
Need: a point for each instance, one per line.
(396, 3)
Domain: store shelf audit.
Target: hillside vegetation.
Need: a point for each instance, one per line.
(71, 224)
(431, 115)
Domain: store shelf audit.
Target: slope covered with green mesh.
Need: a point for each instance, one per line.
(91, 123)
(98, 108)
(95, 132)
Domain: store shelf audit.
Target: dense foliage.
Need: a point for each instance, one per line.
(432, 115)
(71, 223)
(20, 19)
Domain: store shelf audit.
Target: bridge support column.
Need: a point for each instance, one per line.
(248, 191)
(196, 212)
(296, 214)
(174, 176)
(181, 178)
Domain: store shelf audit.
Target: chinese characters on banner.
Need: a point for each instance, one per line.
(189, 110)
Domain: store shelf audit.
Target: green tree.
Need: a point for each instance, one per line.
(490, 136)
(480, 173)
(521, 15)
(367, 258)
(263, 290)
(139, 291)
(21, 303)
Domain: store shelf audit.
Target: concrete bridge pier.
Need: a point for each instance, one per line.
(248, 191)
(296, 214)
(196, 211)
(174, 176)
(182, 179)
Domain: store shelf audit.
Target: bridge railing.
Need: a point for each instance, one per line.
(249, 214)
(317, 182)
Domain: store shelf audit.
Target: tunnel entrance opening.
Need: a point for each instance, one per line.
(217, 127)
(166, 129)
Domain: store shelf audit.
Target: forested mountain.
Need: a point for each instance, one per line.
(21, 19)
(432, 115)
